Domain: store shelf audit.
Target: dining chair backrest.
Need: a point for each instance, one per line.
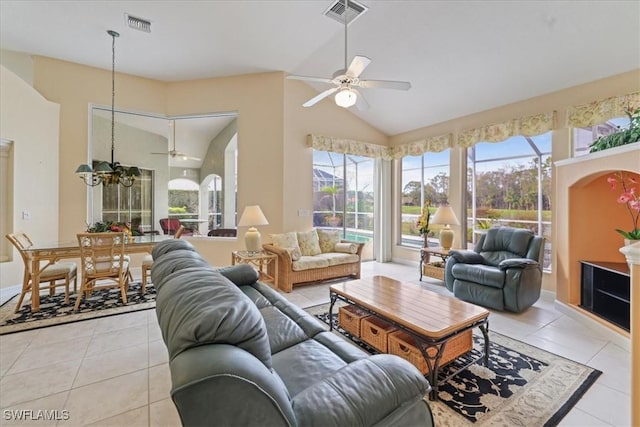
(22, 242)
(101, 254)
(170, 225)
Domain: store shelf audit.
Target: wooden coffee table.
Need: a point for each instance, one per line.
(431, 318)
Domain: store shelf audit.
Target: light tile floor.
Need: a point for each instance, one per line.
(113, 371)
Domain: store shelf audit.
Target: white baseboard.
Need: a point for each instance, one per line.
(9, 292)
(613, 336)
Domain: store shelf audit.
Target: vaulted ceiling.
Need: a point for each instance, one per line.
(460, 56)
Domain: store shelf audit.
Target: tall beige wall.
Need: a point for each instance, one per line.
(31, 122)
(75, 87)
(561, 143)
(324, 118)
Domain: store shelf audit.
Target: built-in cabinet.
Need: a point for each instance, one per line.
(606, 291)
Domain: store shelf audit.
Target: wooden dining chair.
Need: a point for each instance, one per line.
(103, 264)
(147, 261)
(51, 273)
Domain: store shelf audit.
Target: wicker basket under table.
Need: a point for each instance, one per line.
(350, 318)
(402, 344)
(375, 331)
(434, 271)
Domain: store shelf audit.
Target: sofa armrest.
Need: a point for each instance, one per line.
(518, 263)
(397, 385)
(359, 244)
(199, 374)
(467, 256)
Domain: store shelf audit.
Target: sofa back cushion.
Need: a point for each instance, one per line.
(328, 240)
(309, 243)
(289, 242)
(505, 243)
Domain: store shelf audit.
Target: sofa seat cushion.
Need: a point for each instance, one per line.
(479, 273)
(305, 364)
(309, 262)
(336, 258)
(283, 332)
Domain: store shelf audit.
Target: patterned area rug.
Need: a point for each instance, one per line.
(524, 385)
(54, 311)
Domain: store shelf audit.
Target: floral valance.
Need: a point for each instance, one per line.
(597, 112)
(348, 146)
(433, 144)
(526, 126)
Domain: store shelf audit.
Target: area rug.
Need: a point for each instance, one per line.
(523, 386)
(53, 310)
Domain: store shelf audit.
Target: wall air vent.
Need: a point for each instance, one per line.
(138, 23)
(336, 11)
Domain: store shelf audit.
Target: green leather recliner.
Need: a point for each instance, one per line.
(503, 271)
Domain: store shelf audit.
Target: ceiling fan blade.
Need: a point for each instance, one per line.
(319, 97)
(361, 103)
(164, 154)
(358, 64)
(310, 79)
(384, 84)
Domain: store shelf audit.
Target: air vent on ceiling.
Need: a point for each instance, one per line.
(336, 11)
(138, 23)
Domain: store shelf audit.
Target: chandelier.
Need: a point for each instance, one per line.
(110, 173)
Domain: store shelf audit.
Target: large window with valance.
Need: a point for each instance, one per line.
(425, 178)
(599, 118)
(509, 184)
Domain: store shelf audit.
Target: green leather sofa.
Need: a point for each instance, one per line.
(503, 271)
(240, 354)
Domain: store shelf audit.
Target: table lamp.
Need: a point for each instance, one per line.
(445, 215)
(252, 216)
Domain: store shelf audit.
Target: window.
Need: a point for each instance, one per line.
(584, 137)
(424, 177)
(130, 204)
(343, 196)
(509, 184)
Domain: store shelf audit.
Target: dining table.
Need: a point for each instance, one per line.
(45, 254)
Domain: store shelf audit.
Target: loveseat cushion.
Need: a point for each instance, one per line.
(199, 306)
(309, 243)
(289, 242)
(336, 258)
(479, 273)
(328, 240)
(309, 262)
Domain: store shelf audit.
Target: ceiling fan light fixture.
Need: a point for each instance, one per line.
(346, 98)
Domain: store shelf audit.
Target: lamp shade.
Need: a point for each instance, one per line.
(445, 215)
(252, 215)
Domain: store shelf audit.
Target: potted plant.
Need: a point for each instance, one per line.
(332, 220)
(630, 199)
(422, 224)
(623, 137)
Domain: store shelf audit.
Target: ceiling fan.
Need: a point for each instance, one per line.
(173, 153)
(347, 80)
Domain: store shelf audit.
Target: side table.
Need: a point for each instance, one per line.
(259, 261)
(425, 255)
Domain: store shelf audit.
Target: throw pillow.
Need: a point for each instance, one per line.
(309, 243)
(347, 248)
(328, 240)
(289, 242)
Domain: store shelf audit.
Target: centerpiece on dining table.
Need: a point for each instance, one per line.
(113, 227)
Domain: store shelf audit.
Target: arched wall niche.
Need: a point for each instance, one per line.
(587, 214)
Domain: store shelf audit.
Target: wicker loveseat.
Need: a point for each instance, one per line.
(302, 263)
